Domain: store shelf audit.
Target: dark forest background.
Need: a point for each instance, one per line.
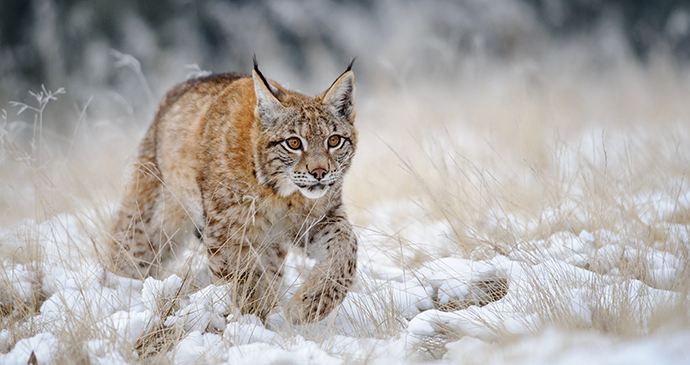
(85, 46)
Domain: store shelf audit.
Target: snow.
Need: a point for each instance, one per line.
(582, 273)
(204, 310)
(99, 353)
(43, 345)
(20, 280)
(551, 294)
(199, 348)
(554, 347)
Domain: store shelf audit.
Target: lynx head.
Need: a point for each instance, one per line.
(305, 143)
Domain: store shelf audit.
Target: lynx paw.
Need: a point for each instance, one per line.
(307, 307)
(299, 311)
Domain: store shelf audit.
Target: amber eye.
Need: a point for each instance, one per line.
(333, 141)
(294, 143)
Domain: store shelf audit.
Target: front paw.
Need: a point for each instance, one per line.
(306, 307)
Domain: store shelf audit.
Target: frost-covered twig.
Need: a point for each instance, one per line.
(196, 71)
(43, 97)
(127, 60)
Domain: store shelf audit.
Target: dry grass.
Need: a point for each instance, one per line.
(515, 154)
(529, 152)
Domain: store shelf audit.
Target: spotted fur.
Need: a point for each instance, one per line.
(218, 161)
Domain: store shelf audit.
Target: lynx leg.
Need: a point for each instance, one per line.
(146, 226)
(331, 277)
(133, 248)
(147, 221)
(254, 270)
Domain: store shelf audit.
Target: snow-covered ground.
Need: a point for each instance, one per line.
(611, 294)
(448, 308)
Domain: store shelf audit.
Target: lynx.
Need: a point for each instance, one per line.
(252, 168)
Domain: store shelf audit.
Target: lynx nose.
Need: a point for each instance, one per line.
(318, 173)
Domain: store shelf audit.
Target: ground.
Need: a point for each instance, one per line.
(536, 217)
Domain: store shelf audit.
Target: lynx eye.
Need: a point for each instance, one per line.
(294, 143)
(333, 141)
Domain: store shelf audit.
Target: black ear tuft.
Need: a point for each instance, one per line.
(341, 94)
(261, 76)
(268, 107)
(349, 67)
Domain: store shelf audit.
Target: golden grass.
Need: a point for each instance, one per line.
(507, 157)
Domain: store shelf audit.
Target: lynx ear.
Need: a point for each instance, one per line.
(268, 107)
(341, 95)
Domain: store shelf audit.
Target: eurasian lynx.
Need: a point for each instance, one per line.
(252, 168)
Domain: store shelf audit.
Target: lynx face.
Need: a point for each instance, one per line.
(306, 143)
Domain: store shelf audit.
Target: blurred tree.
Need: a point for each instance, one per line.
(646, 24)
(68, 42)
